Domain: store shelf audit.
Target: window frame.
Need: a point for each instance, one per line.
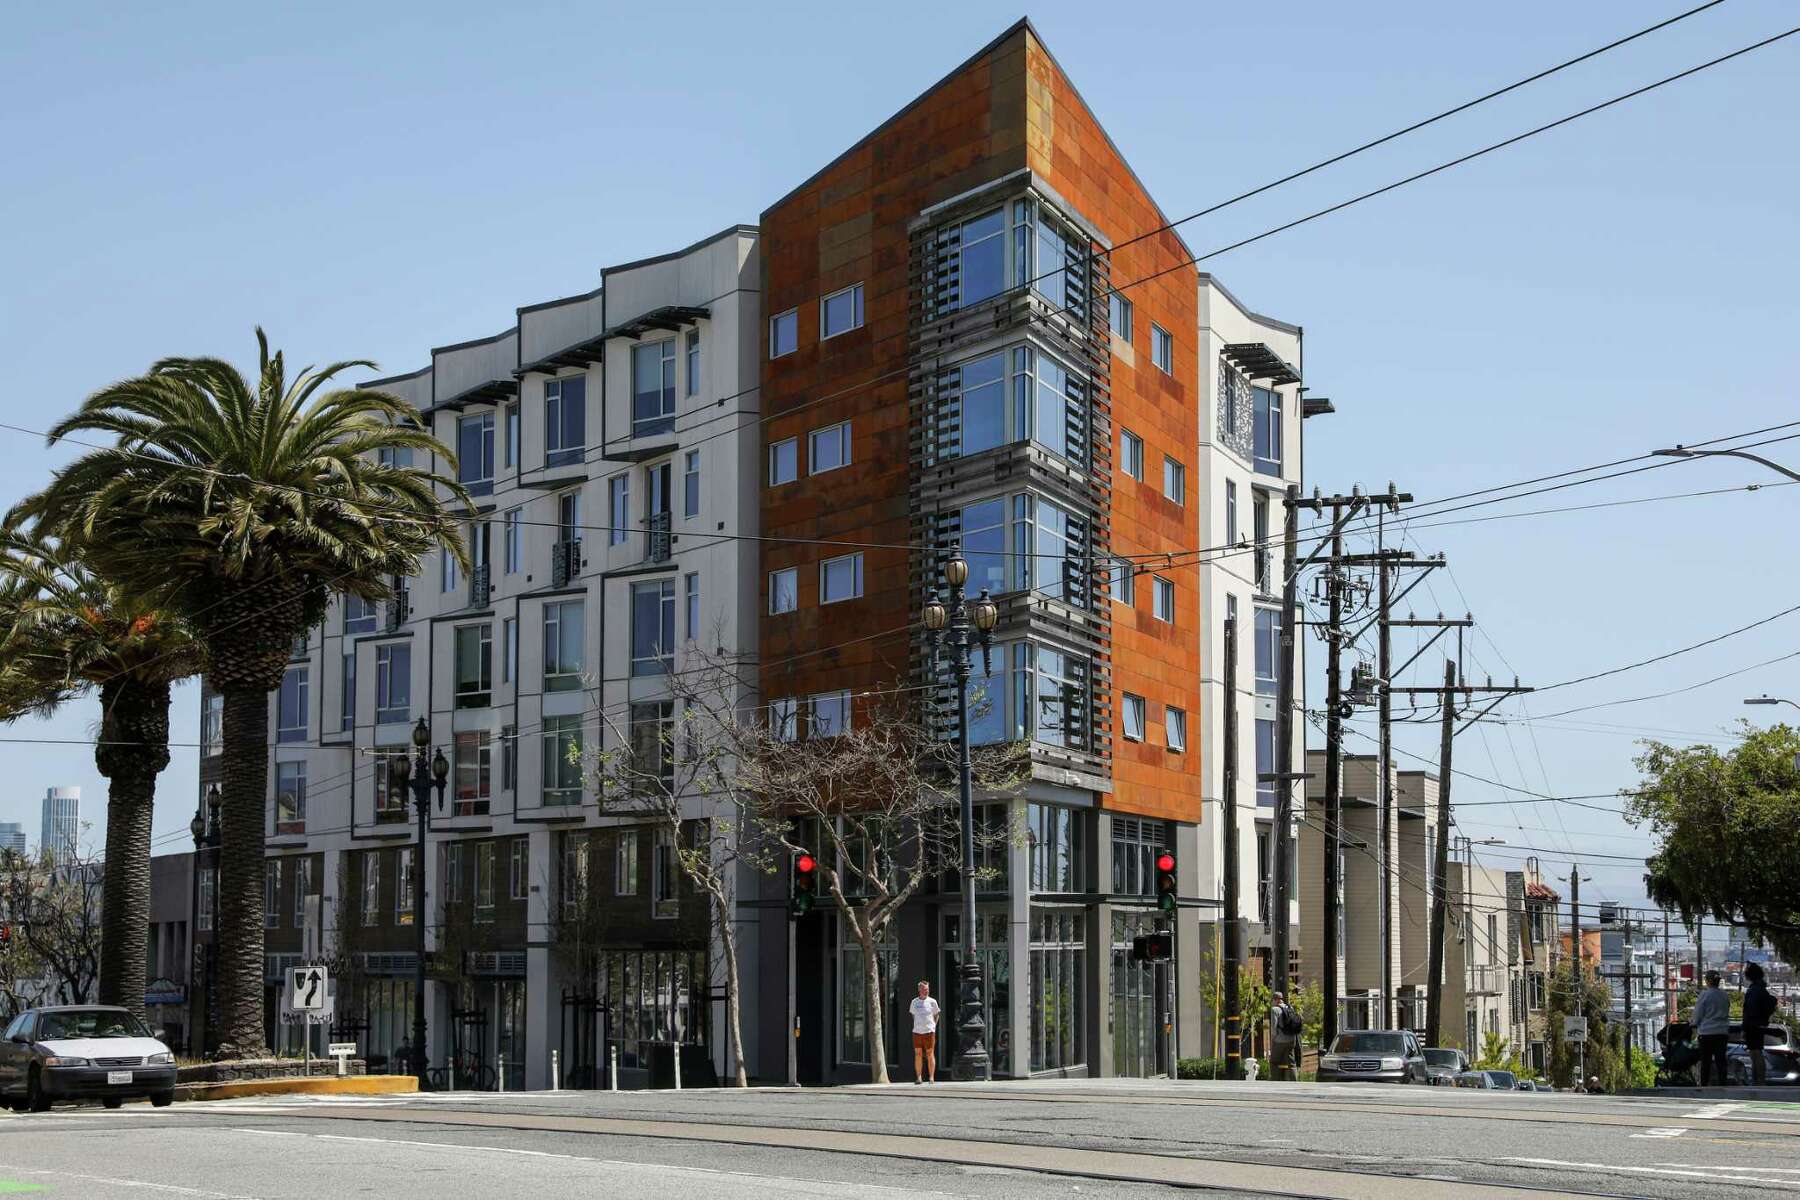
(816, 438)
(555, 735)
(793, 595)
(792, 445)
(1175, 728)
(690, 345)
(855, 292)
(478, 691)
(690, 604)
(1131, 454)
(1162, 599)
(556, 420)
(483, 422)
(625, 862)
(472, 757)
(1119, 314)
(792, 323)
(295, 821)
(1175, 473)
(1129, 704)
(300, 702)
(618, 508)
(561, 610)
(663, 420)
(825, 565)
(839, 700)
(690, 484)
(660, 659)
(1162, 349)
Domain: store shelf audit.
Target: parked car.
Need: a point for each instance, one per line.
(1444, 1064)
(1533, 1085)
(1476, 1079)
(1506, 1081)
(1781, 1064)
(1374, 1056)
(82, 1052)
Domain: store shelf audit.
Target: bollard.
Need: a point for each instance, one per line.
(612, 1073)
(555, 1083)
(677, 1047)
(500, 1075)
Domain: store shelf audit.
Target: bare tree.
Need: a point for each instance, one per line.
(54, 911)
(872, 794)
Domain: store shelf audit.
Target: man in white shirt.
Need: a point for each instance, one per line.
(925, 1020)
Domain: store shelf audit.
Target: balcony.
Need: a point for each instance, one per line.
(480, 586)
(1487, 979)
(565, 562)
(657, 541)
(394, 612)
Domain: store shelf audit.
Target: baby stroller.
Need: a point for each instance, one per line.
(1676, 1066)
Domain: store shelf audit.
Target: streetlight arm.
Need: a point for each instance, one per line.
(1684, 452)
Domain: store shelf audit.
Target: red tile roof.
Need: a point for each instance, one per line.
(1539, 891)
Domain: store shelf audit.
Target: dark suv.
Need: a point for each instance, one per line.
(1374, 1056)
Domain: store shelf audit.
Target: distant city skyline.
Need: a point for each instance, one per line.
(60, 833)
(12, 837)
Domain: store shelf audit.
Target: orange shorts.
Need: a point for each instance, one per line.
(925, 1041)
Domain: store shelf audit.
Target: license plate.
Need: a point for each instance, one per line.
(118, 1077)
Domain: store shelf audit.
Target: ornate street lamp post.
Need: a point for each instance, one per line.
(960, 626)
(426, 772)
(205, 829)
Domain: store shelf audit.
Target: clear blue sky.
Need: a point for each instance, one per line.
(373, 180)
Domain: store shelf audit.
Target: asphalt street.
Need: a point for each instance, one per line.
(1115, 1138)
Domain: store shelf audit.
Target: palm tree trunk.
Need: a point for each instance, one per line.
(244, 787)
(133, 750)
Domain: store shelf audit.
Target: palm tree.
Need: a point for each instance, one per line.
(65, 632)
(243, 504)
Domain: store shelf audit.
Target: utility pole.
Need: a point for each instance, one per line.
(1384, 767)
(1284, 742)
(1440, 867)
(1668, 980)
(1233, 934)
(1575, 920)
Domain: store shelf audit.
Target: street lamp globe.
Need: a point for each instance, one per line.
(934, 614)
(984, 613)
(440, 767)
(197, 827)
(214, 801)
(398, 770)
(421, 734)
(956, 570)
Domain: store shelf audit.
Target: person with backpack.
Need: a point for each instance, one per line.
(1285, 1028)
(1759, 1006)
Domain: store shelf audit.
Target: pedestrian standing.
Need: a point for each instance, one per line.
(1712, 1026)
(925, 1022)
(1285, 1028)
(1759, 1007)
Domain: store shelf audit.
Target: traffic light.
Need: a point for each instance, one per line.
(806, 885)
(1153, 947)
(1166, 890)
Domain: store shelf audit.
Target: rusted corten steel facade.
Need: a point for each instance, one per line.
(1004, 147)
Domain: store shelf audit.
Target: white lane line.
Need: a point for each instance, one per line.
(131, 1183)
(1709, 1167)
(1713, 1112)
(1660, 1133)
(1706, 1173)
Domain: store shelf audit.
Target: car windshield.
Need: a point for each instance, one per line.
(1443, 1058)
(89, 1023)
(1369, 1043)
(1505, 1079)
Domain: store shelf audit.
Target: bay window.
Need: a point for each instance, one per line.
(1035, 693)
(1018, 394)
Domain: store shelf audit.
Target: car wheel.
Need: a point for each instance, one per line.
(114, 1102)
(35, 1099)
(163, 1099)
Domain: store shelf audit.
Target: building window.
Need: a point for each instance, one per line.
(565, 420)
(302, 889)
(563, 645)
(1162, 348)
(665, 873)
(403, 885)
(513, 537)
(572, 882)
(1135, 844)
(395, 457)
(1259, 530)
(1056, 256)
(784, 719)
(690, 484)
(474, 665)
(1044, 549)
(1266, 432)
(475, 453)
(1175, 727)
(692, 340)
(473, 776)
(510, 420)
(371, 888)
(625, 862)
(653, 388)
(652, 764)
(484, 882)
(1036, 693)
(1162, 596)
(290, 797)
(212, 724)
(653, 627)
(449, 570)
(784, 333)
(784, 461)
(290, 707)
(209, 879)
(1264, 873)
(784, 590)
(509, 758)
(359, 616)
(562, 760)
(1059, 988)
(1133, 718)
(519, 869)
(1231, 521)
(1131, 454)
(828, 449)
(1124, 580)
(979, 266)
(1174, 480)
(841, 312)
(452, 863)
(347, 695)
(1265, 762)
(1119, 310)
(390, 801)
(618, 509)
(509, 650)
(830, 714)
(1047, 403)
(1056, 843)
(840, 578)
(690, 598)
(1268, 650)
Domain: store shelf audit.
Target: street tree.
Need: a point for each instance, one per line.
(68, 633)
(1255, 997)
(873, 796)
(1724, 823)
(243, 504)
(52, 909)
(1576, 990)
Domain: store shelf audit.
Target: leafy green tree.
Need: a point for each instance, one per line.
(1254, 996)
(1725, 823)
(1309, 1001)
(1581, 993)
(65, 633)
(243, 504)
(1497, 1055)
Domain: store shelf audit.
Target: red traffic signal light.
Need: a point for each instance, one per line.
(805, 864)
(1153, 947)
(806, 885)
(1167, 892)
(1165, 862)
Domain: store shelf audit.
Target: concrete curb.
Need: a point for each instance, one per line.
(307, 1085)
(1788, 1092)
